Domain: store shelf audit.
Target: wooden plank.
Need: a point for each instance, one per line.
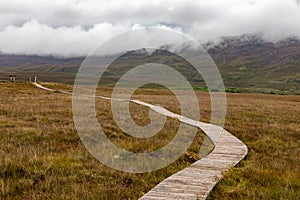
(196, 181)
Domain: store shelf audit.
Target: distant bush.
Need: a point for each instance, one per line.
(232, 90)
(205, 89)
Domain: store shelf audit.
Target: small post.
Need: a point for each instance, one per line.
(35, 78)
(12, 78)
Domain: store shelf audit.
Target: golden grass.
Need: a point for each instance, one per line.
(43, 157)
(269, 126)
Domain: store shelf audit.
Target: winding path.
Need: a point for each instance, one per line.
(197, 180)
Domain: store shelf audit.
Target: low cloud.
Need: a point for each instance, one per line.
(74, 27)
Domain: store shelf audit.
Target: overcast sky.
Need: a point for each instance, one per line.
(74, 27)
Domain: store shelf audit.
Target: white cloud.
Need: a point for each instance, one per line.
(37, 38)
(73, 27)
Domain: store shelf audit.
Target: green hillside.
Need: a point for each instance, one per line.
(246, 63)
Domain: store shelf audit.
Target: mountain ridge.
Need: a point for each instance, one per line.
(245, 62)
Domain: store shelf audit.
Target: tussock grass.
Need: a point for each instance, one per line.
(42, 156)
(269, 126)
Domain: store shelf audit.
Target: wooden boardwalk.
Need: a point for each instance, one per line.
(196, 181)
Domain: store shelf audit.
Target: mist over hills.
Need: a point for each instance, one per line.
(258, 64)
(245, 62)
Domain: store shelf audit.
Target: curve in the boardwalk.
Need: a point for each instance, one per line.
(197, 180)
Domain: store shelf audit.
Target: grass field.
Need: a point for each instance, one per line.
(42, 155)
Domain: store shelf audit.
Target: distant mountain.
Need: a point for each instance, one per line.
(245, 62)
(254, 63)
(34, 60)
